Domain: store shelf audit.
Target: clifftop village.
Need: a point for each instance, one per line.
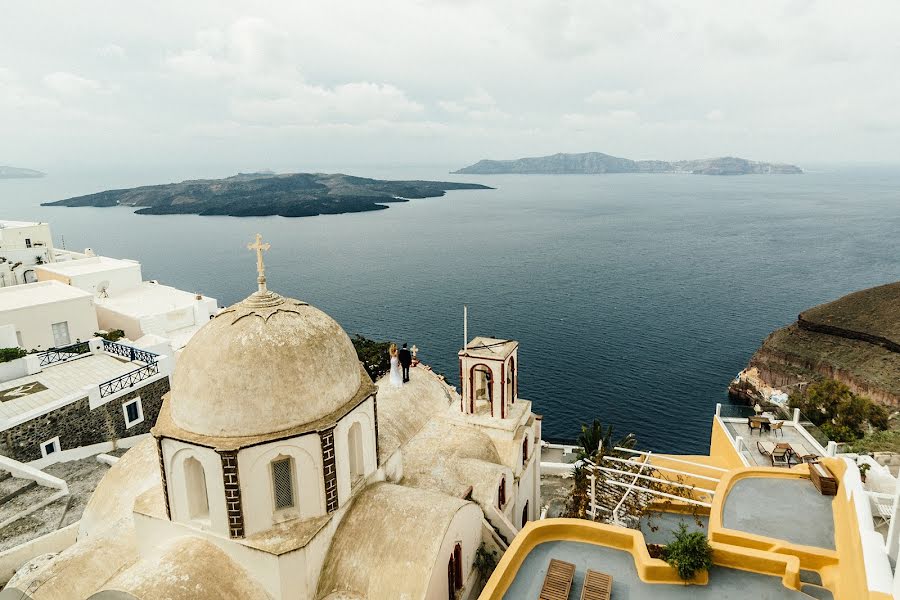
(155, 445)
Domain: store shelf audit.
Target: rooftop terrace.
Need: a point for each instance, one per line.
(783, 509)
(724, 584)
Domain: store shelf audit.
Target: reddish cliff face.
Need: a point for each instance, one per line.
(855, 340)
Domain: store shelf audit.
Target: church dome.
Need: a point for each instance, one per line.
(264, 365)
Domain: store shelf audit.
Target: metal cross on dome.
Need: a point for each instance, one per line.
(260, 247)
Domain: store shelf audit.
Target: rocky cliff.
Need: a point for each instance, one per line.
(855, 340)
(596, 163)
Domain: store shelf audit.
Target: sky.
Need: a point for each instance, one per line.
(283, 84)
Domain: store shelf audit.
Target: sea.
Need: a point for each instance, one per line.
(635, 298)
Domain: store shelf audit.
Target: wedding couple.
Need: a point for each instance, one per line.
(400, 359)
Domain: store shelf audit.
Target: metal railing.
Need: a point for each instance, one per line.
(128, 380)
(56, 355)
(129, 352)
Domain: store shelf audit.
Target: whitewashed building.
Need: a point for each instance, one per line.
(45, 315)
(150, 314)
(279, 470)
(22, 246)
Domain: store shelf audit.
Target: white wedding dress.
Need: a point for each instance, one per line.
(396, 376)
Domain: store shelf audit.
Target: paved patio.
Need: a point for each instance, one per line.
(785, 509)
(791, 435)
(724, 584)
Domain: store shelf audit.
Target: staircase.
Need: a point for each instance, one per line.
(811, 585)
(29, 499)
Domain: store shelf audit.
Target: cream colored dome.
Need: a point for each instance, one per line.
(261, 366)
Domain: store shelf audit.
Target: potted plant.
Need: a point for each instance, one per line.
(863, 468)
(689, 552)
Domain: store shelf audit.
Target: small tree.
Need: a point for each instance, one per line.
(842, 415)
(595, 441)
(373, 355)
(689, 552)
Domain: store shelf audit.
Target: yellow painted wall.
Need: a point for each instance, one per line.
(842, 570)
(721, 449)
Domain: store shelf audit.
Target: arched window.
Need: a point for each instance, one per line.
(355, 448)
(511, 382)
(501, 493)
(524, 450)
(482, 388)
(525, 514)
(283, 483)
(454, 572)
(195, 484)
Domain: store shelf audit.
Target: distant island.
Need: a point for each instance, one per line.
(266, 194)
(18, 173)
(590, 163)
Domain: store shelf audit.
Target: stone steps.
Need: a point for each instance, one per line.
(24, 497)
(11, 487)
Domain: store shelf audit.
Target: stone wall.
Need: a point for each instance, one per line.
(77, 425)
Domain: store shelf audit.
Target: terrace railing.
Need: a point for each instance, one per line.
(57, 355)
(129, 380)
(129, 352)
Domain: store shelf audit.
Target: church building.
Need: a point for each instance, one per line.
(278, 470)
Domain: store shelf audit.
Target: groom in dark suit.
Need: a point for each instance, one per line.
(405, 360)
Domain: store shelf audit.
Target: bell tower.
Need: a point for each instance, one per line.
(488, 375)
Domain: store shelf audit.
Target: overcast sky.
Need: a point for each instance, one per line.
(283, 84)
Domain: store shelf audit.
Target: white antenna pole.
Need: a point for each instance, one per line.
(465, 326)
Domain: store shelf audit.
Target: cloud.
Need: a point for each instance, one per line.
(478, 105)
(450, 81)
(616, 97)
(69, 84)
(349, 102)
(113, 51)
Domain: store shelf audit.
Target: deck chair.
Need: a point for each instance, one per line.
(558, 582)
(802, 453)
(776, 454)
(884, 507)
(597, 586)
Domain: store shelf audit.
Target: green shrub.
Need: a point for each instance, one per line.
(689, 552)
(485, 562)
(113, 335)
(8, 354)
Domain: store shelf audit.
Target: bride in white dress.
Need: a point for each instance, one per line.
(396, 376)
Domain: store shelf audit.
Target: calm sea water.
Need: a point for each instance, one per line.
(635, 298)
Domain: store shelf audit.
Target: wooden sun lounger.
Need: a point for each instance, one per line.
(597, 586)
(558, 582)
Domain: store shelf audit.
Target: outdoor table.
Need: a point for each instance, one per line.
(765, 422)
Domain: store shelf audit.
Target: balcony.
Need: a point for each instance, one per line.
(803, 437)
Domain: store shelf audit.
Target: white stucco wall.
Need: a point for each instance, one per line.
(465, 528)
(174, 455)
(35, 321)
(364, 414)
(254, 473)
(110, 319)
(114, 274)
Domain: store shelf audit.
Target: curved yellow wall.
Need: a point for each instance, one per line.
(842, 570)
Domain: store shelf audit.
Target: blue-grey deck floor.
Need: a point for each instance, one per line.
(724, 584)
(786, 509)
